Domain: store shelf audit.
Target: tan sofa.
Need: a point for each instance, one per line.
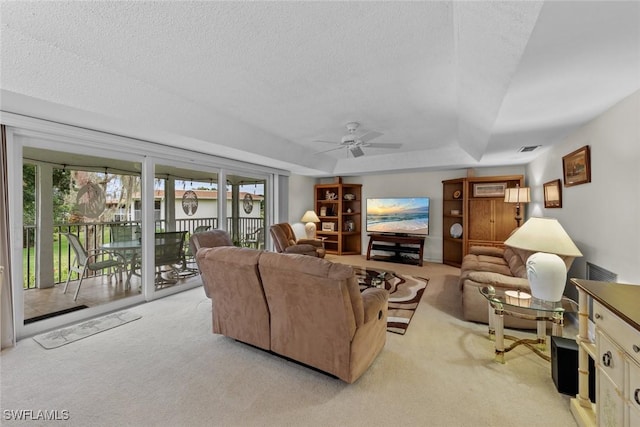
(304, 308)
(500, 268)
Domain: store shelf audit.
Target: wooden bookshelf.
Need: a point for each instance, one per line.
(341, 224)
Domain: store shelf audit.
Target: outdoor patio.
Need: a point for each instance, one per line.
(95, 291)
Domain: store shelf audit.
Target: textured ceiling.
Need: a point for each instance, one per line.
(458, 84)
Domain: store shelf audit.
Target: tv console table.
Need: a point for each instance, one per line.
(398, 245)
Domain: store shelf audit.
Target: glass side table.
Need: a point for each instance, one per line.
(516, 305)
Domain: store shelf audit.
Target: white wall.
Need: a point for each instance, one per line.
(426, 184)
(300, 201)
(603, 216)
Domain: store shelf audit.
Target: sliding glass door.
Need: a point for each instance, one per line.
(185, 202)
(75, 209)
(246, 210)
(101, 224)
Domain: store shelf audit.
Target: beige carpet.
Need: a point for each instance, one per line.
(168, 369)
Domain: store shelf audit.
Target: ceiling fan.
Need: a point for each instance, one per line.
(354, 143)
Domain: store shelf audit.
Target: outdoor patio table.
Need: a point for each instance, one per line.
(125, 246)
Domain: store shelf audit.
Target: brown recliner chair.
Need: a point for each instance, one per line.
(208, 239)
(284, 240)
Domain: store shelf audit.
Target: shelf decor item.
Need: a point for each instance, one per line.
(456, 231)
(552, 194)
(328, 226)
(349, 226)
(576, 167)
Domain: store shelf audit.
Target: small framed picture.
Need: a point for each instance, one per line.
(328, 226)
(489, 189)
(576, 167)
(553, 194)
(323, 211)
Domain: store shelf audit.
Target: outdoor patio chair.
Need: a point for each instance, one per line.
(169, 257)
(188, 266)
(89, 260)
(125, 233)
(122, 233)
(255, 239)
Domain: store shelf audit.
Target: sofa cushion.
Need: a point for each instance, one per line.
(473, 263)
(486, 250)
(492, 260)
(499, 280)
(517, 260)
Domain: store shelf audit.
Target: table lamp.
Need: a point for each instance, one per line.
(517, 195)
(546, 271)
(310, 218)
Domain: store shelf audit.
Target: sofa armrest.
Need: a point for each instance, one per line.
(498, 280)
(487, 250)
(300, 249)
(313, 242)
(375, 302)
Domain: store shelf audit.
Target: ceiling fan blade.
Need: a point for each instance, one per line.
(328, 142)
(369, 136)
(330, 149)
(384, 145)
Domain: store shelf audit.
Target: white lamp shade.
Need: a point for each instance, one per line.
(310, 216)
(517, 195)
(543, 235)
(547, 274)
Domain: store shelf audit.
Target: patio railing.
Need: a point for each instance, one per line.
(92, 235)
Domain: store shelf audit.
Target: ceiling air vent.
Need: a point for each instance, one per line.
(528, 149)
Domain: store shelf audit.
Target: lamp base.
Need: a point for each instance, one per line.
(310, 229)
(547, 274)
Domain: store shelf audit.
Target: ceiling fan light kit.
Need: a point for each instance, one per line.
(356, 151)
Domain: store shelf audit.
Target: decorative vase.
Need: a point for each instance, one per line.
(547, 274)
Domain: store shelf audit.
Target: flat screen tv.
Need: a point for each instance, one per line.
(398, 215)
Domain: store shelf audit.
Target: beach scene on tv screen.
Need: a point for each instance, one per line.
(398, 215)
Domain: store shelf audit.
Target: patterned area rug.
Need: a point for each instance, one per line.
(67, 335)
(404, 294)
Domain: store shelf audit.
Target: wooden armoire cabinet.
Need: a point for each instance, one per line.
(477, 205)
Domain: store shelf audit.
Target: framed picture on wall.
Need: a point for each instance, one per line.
(576, 167)
(553, 194)
(489, 189)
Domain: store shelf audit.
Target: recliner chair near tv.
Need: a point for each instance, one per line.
(284, 240)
